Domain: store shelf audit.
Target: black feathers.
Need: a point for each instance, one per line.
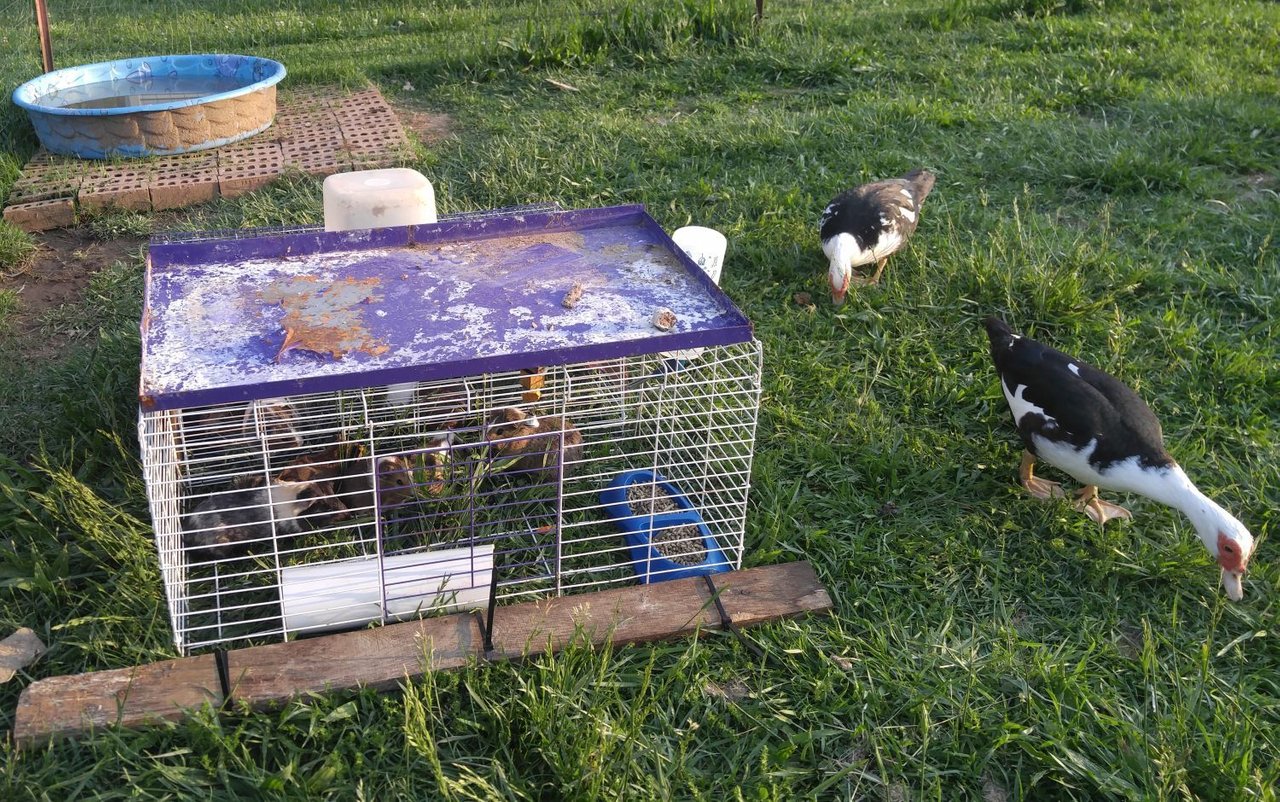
(868, 211)
(1080, 403)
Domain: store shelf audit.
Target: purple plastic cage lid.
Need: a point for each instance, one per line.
(241, 319)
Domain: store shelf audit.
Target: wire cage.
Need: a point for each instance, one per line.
(416, 481)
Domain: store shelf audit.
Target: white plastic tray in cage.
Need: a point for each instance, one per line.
(354, 592)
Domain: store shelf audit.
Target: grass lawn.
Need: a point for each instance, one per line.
(1107, 180)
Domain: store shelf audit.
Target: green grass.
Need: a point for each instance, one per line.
(9, 301)
(116, 224)
(16, 247)
(1108, 181)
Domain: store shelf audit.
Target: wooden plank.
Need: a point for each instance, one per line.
(660, 611)
(760, 595)
(637, 614)
(381, 658)
(129, 696)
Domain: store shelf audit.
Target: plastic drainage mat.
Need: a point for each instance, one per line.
(240, 319)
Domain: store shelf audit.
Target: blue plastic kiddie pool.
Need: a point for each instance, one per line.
(151, 106)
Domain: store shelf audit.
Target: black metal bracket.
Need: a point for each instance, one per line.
(726, 621)
(486, 622)
(223, 665)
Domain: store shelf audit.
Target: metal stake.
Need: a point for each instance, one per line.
(42, 23)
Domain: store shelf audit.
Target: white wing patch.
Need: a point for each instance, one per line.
(906, 193)
(1074, 368)
(1125, 476)
(890, 241)
(1071, 460)
(843, 246)
(907, 213)
(1020, 406)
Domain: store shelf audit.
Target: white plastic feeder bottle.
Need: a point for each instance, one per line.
(378, 199)
(705, 246)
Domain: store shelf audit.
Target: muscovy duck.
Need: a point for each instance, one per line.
(1091, 426)
(868, 223)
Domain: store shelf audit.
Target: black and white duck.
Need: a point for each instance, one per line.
(1091, 426)
(868, 223)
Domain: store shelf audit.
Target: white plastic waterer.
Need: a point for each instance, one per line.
(356, 591)
(378, 199)
(706, 247)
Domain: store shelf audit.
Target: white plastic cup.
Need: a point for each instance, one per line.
(402, 394)
(705, 246)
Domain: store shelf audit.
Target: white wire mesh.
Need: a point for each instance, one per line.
(291, 515)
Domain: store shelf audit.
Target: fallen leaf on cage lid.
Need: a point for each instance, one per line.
(322, 317)
(574, 295)
(664, 319)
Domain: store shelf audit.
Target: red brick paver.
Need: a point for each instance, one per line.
(317, 130)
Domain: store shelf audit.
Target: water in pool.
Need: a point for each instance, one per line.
(122, 93)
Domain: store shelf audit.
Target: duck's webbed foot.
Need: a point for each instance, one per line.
(1037, 487)
(1088, 502)
(874, 278)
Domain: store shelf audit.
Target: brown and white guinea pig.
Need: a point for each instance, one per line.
(395, 478)
(274, 420)
(535, 441)
(342, 480)
(341, 476)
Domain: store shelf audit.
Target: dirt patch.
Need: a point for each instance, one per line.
(56, 275)
(430, 127)
(1129, 641)
(993, 791)
(735, 690)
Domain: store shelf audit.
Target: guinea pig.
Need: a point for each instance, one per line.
(226, 524)
(534, 443)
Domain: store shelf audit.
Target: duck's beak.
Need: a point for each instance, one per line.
(1233, 582)
(839, 283)
(838, 291)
